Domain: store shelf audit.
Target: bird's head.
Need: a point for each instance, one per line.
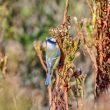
(50, 42)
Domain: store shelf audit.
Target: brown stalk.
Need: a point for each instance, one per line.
(66, 97)
(42, 62)
(65, 19)
(91, 54)
(90, 6)
(89, 51)
(37, 46)
(66, 12)
(39, 54)
(50, 97)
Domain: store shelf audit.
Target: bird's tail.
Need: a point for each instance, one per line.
(48, 79)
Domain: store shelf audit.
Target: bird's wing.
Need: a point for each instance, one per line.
(56, 62)
(52, 57)
(56, 58)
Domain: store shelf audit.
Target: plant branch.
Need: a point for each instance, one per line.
(90, 6)
(37, 47)
(50, 97)
(66, 11)
(66, 98)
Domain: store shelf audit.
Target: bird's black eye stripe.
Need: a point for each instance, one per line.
(50, 41)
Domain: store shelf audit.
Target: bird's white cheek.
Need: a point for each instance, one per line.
(50, 46)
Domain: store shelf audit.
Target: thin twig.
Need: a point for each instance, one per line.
(39, 54)
(66, 98)
(66, 11)
(90, 6)
(37, 46)
(91, 54)
(50, 97)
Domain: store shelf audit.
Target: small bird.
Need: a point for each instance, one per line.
(52, 58)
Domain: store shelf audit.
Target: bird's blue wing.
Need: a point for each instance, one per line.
(50, 61)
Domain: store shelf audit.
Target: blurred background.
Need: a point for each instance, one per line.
(21, 23)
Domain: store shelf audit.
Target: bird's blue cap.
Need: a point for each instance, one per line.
(51, 40)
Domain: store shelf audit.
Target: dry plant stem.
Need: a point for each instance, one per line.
(66, 12)
(91, 54)
(66, 97)
(39, 54)
(64, 21)
(50, 97)
(89, 5)
(103, 47)
(94, 65)
(89, 51)
(49, 88)
(41, 60)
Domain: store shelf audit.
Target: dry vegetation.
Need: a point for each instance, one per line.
(60, 90)
(82, 82)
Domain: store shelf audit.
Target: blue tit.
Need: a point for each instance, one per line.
(52, 58)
